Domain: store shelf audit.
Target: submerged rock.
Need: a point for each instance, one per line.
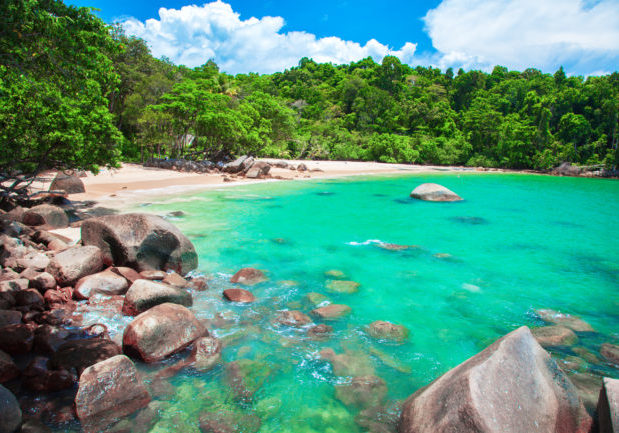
(610, 352)
(556, 318)
(239, 295)
(335, 273)
(387, 331)
(362, 392)
(555, 335)
(161, 331)
(320, 332)
(511, 386)
(608, 406)
(206, 353)
(434, 192)
(140, 241)
(293, 318)
(316, 298)
(109, 390)
(343, 286)
(248, 277)
(349, 363)
(145, 294)
(246, 377)
(332, 311)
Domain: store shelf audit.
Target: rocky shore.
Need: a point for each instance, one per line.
(54, 369)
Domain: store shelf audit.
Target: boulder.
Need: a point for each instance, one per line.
(39, 377)
(362, 392)
(349, 363)
(331, 311)
(10, 412)
(302, 167)
(343, 286)
(608, 406)
(46, 214)
(293, 318)
(161, 331)
(48, 339)
(109, 390)
(130, 274)
(239, 295)
(30, 298)
(43, 282)
(80, 354)
(69, 183)
(257, 170)
(152, 274)
(239, 164)
(320, 332)
(140, 241)
(35, 260)
(434, 192)
(173, 279)
(106, 283)
(567, 169)
(549, 336)
(246, 377)
(15, 285)
(610, 352)
(9, 317)
(68, 266)
(61, 296)
(145, 294)
(206, 353)
(387, 331)
(248, 277)
(8, 368)
(16, 339)
(556, 318)
(511, 386)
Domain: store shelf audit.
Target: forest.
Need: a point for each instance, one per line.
(78, 93)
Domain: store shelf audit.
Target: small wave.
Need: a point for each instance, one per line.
(368, 242)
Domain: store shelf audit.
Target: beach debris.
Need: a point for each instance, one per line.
(362, 392)
(239, 295)
(108, 390)
(387, 331)
(248, 277)
(331, 311)
(513, 385)
(555, 335)
(161, 331)
(140, 241)
(575, 323)
(343, 286)
(434, 192)
(145, 294)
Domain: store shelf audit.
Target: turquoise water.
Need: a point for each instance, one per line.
(478, 270)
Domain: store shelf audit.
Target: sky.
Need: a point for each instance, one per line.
(268, 36)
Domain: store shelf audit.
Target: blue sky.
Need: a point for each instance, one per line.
(268, 36)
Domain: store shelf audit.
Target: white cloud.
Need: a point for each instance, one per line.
(581, 35)
(194, 34)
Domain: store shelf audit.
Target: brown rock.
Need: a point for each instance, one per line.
(38, 377)
(610, 352)
(292, 318)
(80, 354)
(511, 386)
(258, 169)
(302, 167)
(161, 331)
(199, 284)
(106, 283)
(16, 339)
(9, 317)
(248, 277)
(349, 363)
(387, 331)
(173, 279)
(46, 214)
(206, 353)
(239, 295)
(43, 282)
(34, 260)
(8, 368)
(572, 322)
(434, 192)
(555, 335)
(30, 298)
(320, 331)
(331, 311)
(343, 286)
(69, 183)
(140, 241)
(130, 274)
(152, 274)
(608, 406)
(60, 296)
(70, 265)
(145, 294)
(14, 285)
(48, 339)
(362, 392)
(109, 390)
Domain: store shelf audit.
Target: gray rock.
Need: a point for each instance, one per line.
(145, 294)
(511, 386)
(69, 183)
(141, 242)
(10, 413)
(239, 164)
(257, 170)
(103, 283)
(68, 266)
(434, 192)
(46, 214)
(608, 406)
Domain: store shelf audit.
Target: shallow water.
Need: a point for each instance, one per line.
(475, 271)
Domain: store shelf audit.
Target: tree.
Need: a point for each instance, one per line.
(55, 76)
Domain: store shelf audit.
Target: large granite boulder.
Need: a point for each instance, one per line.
(106, 283)
(77, 355)
(258, 169)
(69, 183)
(145, 294)
(161, 331)
(239, 164)
(10, 412)
(608, 406)
(46, 214)
(70, 265)
(434, 192)
(140, 241)
(511, 386)
(109, 390)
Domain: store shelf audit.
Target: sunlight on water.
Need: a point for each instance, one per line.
(457, 275)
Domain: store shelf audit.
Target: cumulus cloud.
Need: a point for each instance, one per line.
(194, 34)
(581, 35)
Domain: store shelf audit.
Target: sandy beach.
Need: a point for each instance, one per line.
(131, 182)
